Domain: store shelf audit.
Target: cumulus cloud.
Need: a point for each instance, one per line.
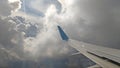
(43, 5)
(92, 21)
(8, 6)
(11, 40)
(47, 42)
(8, 36)
(84, 20)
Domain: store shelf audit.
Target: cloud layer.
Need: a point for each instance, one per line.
(11, 40)
(90, 21)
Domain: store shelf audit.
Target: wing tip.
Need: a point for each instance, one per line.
(63, 34)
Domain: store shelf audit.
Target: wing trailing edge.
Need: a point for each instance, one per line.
(102, 56)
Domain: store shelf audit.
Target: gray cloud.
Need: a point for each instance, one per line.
(13, 44)
(11, 40)
(47, 43)
(7, 7)
(92, 21)
(8, 36)
(84, 20)
(100, 23)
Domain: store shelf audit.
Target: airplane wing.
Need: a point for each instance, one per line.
(104, 57)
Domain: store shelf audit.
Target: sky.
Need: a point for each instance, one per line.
(92, 21)
(36, 34)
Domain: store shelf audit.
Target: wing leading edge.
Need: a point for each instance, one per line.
(98, 54)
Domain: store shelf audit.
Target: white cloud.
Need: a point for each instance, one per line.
(7, 7)
(47, 43)
(82, 20)
(11, 1)
(11, 41)
(41, 4)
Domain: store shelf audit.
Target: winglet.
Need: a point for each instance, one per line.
(62, 34)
